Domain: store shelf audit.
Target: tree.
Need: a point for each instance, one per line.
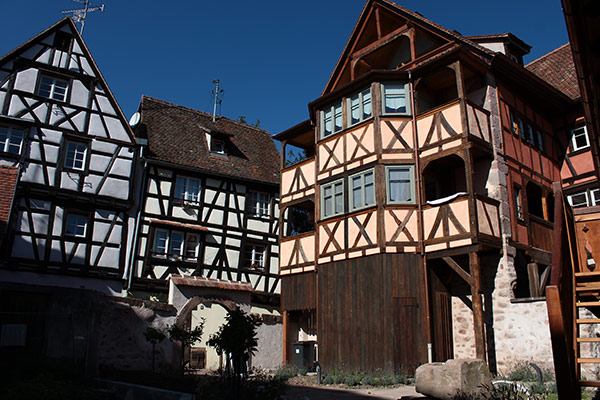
(236, 339)
(185, 336)
(154, 336)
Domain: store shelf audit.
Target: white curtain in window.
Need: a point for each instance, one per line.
(395, 99)
(399, 182)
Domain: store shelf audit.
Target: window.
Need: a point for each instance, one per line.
(53, 88)
(518, 202)
(332, 198)
(400, 185)
(331, 119)
(540, 140)
(75, 156)
(217, 146)
(259, 204)
(530, 134)
(585, 199)
(254, 256)
(176, 245)
(360, 107)
(11, 139)
(394, 98)
(76, 225)
(362, 189)
(579, 138)
(192, 245)
(187, 189)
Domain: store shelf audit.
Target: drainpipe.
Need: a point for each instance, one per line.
(137, 220)
(420, 212)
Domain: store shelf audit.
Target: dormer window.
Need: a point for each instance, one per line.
(53, 88)
(217, 146)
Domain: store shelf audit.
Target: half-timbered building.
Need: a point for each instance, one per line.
(73, 156)
(419, 226)
(209, 217)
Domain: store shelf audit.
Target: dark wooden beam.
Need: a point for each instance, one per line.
(477, 306)
(459, 270)
(390, 37)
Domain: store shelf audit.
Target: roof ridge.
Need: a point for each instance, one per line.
(547, 54)
(204, 113)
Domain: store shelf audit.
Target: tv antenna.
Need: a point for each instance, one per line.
(79, 15)
(218, 101)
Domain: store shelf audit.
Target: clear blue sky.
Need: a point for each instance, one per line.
(272, 56)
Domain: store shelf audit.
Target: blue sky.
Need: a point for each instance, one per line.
(271, 56)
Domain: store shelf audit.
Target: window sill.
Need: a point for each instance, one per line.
(527, 300)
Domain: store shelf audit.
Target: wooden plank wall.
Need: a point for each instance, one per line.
(371, 314)
(299, 291)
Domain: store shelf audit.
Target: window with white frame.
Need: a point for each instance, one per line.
(187, 189)
(362, 189)
(332, 198)
(579, 138)
(192, 246)
(360, 107)
(53, 88)
(254, 256)
(586, 198)
(11, 139)
(217, 146)
(75, 155)
(331, 119)
(394, 98)
(400, 185)
(176, 245)
(259, 204)
(76, 225)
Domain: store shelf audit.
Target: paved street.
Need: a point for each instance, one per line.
(326, 393)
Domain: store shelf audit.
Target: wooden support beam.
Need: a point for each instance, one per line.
(286, 344)
(534, 280)
(390, 37)
(477, 306)
(459, 270)
(378, 21)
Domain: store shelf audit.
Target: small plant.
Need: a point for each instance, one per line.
(154, 336)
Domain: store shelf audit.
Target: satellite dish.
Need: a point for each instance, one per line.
(134, 120)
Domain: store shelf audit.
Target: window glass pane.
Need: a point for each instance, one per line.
(191, 245)
(354, 109)
(369, 189)
(530, 134)
(338, 117)
(580, 138)
(578, 200)
(595, 197)
(399, 182)
(75, 157)
(176, 243)
(394, 98)
(367, 107)
(327, 123)
(357, 191)
(540, 140)
(160, 241)
(76, 225)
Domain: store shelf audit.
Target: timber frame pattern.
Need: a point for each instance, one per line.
(441, 111)
(76, 158)
(220, 213)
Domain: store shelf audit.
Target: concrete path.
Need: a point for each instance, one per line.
(326, 393)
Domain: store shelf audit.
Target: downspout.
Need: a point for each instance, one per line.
(133, 252)
(420, 214)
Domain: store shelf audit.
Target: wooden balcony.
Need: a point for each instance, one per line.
(448, 225)
(478, 120)
(298, 181)
(441, 127)
(297, 254)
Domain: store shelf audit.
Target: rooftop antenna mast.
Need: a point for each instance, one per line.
(216, 92)
(79, 15)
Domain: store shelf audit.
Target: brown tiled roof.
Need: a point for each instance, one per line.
(557, 68)
(8, 181)
(177, 135)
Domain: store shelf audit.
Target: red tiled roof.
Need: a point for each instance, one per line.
(557, 68)
(8, 181)
(198, 281)
(177, 135)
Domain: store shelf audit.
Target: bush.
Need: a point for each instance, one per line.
(364, 379)
(288, 371)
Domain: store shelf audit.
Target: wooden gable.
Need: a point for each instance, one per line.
(386, 37)
(88, 107)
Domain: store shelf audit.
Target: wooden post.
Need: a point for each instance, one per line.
(286, 325)
(477, 306)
